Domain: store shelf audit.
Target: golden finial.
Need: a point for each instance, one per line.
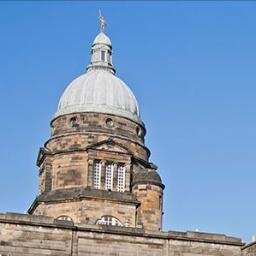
(102, 22)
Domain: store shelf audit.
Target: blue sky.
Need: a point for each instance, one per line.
(191, 66)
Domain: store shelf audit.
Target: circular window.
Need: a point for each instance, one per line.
(109, 122)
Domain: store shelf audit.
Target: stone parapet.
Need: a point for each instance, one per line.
(249, 249)
(205, 237)
(23, 235)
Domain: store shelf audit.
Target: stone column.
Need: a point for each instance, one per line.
(115, 176)
(128, 177)
(48, 177)
(103, 174)
(90, 173)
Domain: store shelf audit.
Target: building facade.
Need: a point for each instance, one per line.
(98, 192)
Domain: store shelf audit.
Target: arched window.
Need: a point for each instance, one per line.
(121, 178)
(96, 174)
(109, 176)
(109, 220)
(64, 217)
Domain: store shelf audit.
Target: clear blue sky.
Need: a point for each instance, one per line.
(191, 66)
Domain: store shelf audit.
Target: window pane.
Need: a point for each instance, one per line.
(67, 218)
(103, 55)
(109, 220)
(121, 178)
(96, 175)
(109, 177)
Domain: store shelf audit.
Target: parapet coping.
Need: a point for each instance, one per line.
(249, 245)
(49, 222)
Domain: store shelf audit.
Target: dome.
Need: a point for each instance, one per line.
(102, 38)
(147, 176)
(99, 91)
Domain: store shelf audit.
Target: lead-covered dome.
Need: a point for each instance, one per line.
(102, 38)
(147, 176)
(99, 90)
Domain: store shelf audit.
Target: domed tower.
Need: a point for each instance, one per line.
(95, 167)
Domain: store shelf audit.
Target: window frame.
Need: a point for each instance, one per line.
(103, 56)
(97, 178)
(109, 220)
(109, 186)
(121, 177)
(65, 218)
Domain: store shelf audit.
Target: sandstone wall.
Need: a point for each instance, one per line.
(150, 209)
(67, 160)
(25, 235)
(89, 128)
(88, 211)
(249, 250)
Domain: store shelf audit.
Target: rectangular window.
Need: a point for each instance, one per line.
(103, 55)
(121, 178)
(109, 56)
(109, 177)
(96, 174)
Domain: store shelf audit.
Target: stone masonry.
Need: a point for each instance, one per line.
(26, 235)
(66, 172)
(249, 249)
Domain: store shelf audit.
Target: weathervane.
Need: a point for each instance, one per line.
(102, 22)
